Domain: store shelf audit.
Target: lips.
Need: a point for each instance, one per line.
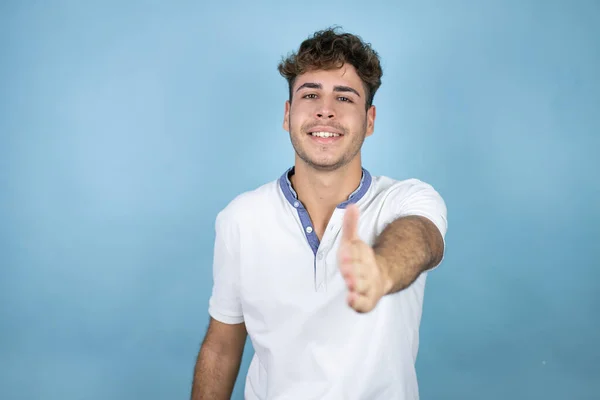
(325, 131)
(325, 134)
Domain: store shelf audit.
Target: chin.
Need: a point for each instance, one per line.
(326, 165)
(321, 162)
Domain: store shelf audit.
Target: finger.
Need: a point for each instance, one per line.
(351, 299)
(350, 277)
(350, 280)
(350, 226)
(360, 284)
(358, 277)
(346, 260)
(350, 256)
(352, 267)
(348, 274)
(346, 252)
(360, 266)
(360, 303)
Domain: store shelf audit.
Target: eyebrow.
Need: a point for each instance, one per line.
(312, 85)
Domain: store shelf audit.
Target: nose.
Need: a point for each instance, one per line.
(325, 110)
(325, 115)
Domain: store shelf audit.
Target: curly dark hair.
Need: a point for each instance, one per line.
(328, 49)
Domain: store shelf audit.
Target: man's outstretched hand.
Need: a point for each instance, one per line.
(360, 267)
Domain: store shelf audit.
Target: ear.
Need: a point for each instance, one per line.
(286, 116)
(371, 114)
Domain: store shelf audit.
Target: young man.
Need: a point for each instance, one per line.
(325, 267)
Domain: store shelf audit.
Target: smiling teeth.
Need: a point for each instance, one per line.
(325, 134)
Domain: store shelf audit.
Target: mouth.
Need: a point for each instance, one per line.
(325, 132)
(323, 137)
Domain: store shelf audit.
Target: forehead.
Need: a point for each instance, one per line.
(344, 76)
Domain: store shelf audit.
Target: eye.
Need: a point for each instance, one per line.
(309, 96)
(345, 99)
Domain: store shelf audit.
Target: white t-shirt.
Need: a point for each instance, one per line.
(271, 272)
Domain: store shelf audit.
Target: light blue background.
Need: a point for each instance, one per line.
(126, 126)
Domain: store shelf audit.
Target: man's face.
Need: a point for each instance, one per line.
(327, 119)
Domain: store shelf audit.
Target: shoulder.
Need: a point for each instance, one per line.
(248, 203)
(396, 198)
(400, 190)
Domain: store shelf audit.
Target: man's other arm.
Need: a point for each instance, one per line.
(219, 360)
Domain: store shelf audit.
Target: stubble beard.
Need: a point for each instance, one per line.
(356, 141)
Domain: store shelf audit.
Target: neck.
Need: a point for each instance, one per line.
(322, 191)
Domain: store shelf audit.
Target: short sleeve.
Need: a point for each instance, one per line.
(224, 303)
(414, 197)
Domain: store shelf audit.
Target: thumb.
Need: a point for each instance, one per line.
(350, 226)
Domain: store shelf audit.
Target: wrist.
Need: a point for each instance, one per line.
(384, 270)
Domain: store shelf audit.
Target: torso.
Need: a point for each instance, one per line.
(308, 343)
